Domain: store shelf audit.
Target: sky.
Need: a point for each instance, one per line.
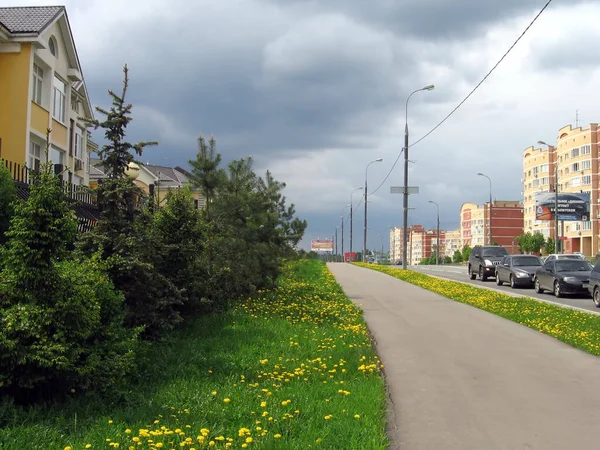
(315, 90)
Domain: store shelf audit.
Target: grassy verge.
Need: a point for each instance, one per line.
(291, 368)
(576, 328)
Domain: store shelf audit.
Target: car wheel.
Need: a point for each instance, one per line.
(472, 274)
(596, 297)
(482, 276)
(557, 292)
(498, 280)
(538, 288)
(512, 282)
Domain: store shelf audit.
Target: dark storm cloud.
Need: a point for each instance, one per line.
(427, 19)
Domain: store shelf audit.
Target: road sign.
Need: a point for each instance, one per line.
(400, 190)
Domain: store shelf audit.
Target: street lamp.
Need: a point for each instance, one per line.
(429, 87)
(490, 180)
(351, 207)
(343, 210)
(437, 256)
(365, 194)
(555, 196)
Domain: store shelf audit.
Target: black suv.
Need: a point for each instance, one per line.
(484, 259)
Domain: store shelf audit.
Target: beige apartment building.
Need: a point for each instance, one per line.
(538, 176)
(453, 242)
(395, 244)
(576, 158)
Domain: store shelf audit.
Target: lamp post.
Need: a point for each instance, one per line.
(336, 243)
(365, 194)
(351, 219)
(437, 253)
(555, 196)
(343, 210)
(429, 87)
(490, 180)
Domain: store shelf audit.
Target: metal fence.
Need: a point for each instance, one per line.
(82, 198)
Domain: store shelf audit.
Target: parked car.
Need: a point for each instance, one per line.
(594, 284)
(556, 256)
(563, 277)
(483, 261)
(517, 270)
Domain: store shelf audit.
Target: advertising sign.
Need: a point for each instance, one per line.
(350, 258)
(571, 206)
(321, 245)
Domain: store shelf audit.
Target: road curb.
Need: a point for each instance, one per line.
(511, 294)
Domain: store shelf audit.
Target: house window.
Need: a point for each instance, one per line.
(566, 171)
(60, 99)
(586, 165)
(587, 226)
(535, 183)
(545, 181)
(577, 226)
(575, 152)
(78, 142)
(576, 182)
(38, 83)
(35, 156)
(544, 168)
(587, 180)
(586, 149)
(52, 46)
(575, 167)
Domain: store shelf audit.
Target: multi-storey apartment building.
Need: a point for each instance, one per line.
(395, 244)
(453, 242)
(42, 87)
(575, 156)
(538, 176)
(507, 223)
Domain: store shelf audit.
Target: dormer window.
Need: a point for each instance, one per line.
(52, 46)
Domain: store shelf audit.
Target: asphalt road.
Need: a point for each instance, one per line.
(459, 273)
(460, 378)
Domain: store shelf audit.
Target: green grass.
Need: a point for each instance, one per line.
(576, 328)
(303, 349)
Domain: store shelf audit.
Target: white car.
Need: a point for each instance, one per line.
(563, 256)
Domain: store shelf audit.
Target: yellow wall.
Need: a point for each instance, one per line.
(59, 135)
(14, 86)
(39, 118)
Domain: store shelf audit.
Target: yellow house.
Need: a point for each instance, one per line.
(156, 179)
(42, 87)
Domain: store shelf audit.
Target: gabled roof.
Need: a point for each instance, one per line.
(167, 176)
(28, 19)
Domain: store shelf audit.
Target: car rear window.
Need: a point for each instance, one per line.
(494, 251)
(526, 261)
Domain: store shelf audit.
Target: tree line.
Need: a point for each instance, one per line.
(79, 311)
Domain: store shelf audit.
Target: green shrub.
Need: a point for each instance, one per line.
(75, 342)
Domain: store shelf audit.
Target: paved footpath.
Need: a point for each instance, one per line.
(461, 378)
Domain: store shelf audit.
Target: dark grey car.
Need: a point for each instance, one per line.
(518, 270)
(594, 285)
(564, 277)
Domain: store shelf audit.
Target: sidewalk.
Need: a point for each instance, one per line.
(461, 378)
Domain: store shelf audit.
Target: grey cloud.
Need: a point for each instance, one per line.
(432, 19)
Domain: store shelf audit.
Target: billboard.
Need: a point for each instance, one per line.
(571, 206)
(321, 245)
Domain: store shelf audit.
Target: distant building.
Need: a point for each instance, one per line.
(453, 242)
(507, 223)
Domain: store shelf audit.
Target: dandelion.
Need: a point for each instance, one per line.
(357, 416)
(227, 400)
(277, 436)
